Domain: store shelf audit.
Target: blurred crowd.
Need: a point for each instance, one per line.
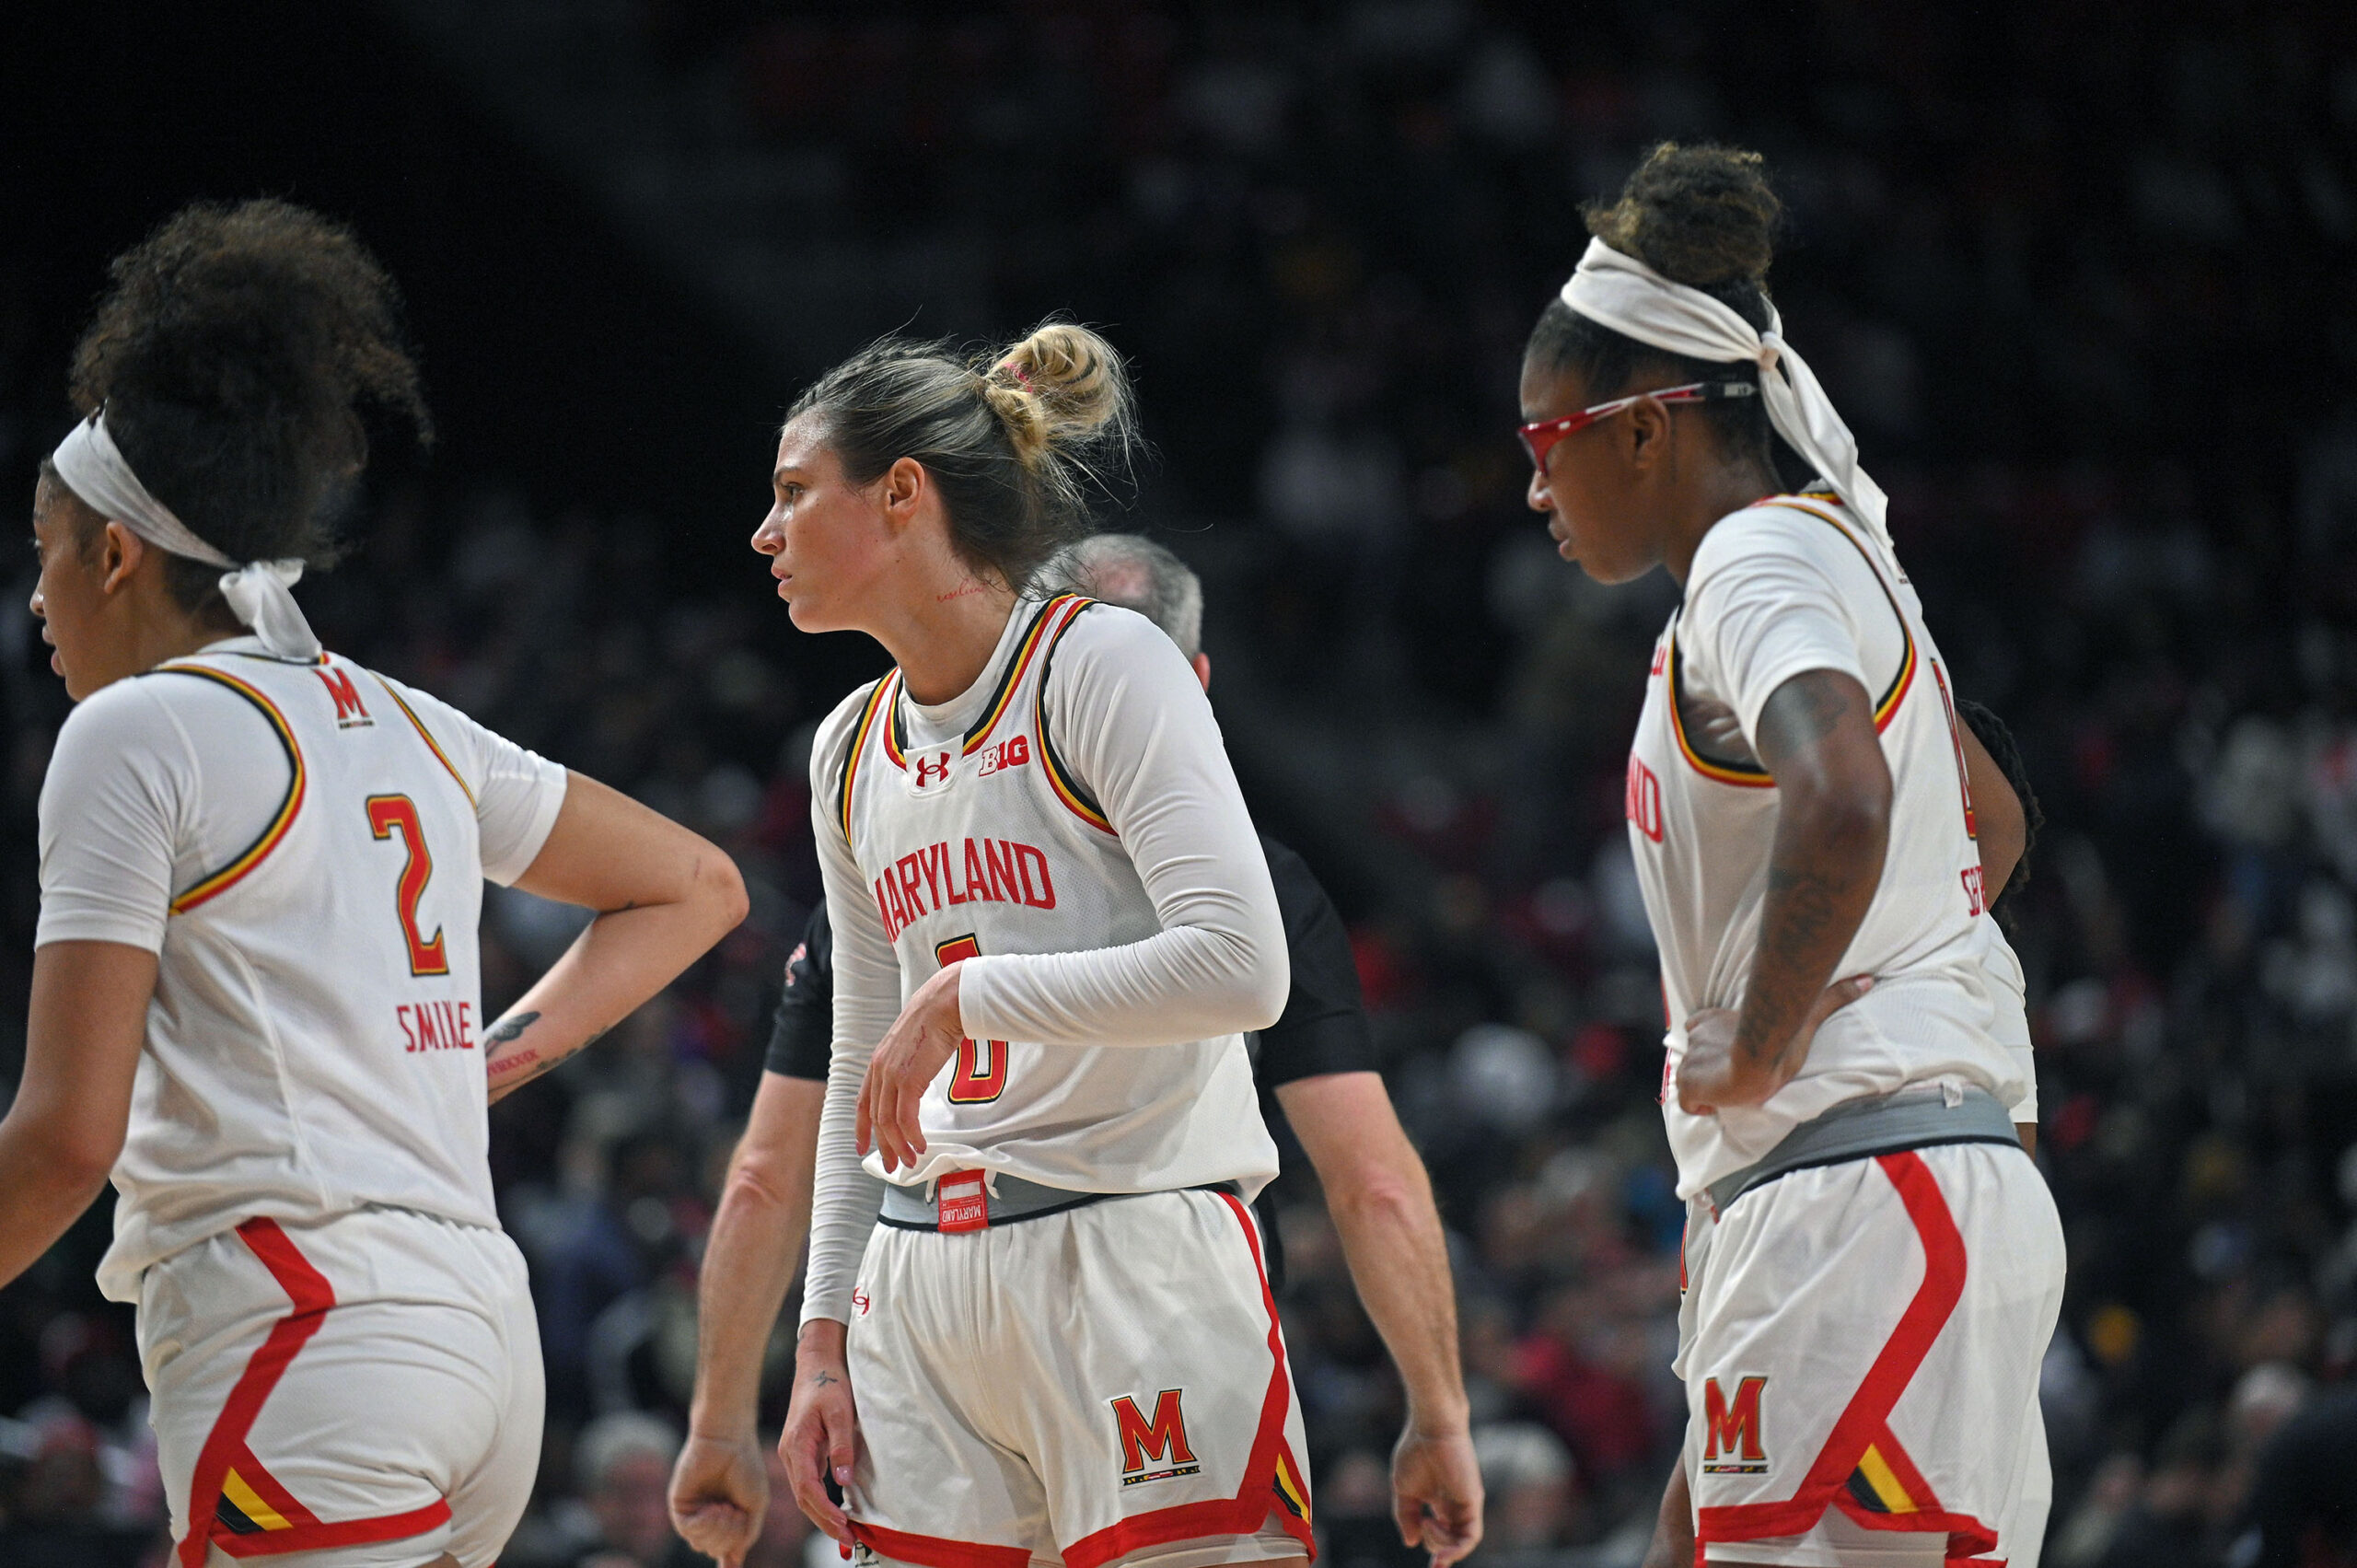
(2078, 279)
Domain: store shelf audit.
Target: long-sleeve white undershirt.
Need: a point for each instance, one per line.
(1133, 726)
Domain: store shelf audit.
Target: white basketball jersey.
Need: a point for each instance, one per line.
(986, 844)
(314, 1043)
(1701, 814)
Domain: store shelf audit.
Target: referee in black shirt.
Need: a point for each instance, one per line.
(1314, 1067)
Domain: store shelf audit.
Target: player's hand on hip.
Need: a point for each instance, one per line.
(1718, 1069)
(917, 1047)
(1436, 1494)
(720, 1493)
(821, 1439)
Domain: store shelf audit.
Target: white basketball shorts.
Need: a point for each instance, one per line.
(361, 1393)
(1101, 1383)
(1860, 1346)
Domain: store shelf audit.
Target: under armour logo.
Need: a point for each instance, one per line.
(932, 770)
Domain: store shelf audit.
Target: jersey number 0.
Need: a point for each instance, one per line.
(981, 1064)
(388, 814)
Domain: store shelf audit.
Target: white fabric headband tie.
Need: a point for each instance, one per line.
(1621, 292)
(258, 592)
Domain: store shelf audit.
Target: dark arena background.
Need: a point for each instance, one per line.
(2083, 277)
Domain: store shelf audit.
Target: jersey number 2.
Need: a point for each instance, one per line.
(388, 814)
(981, 1064)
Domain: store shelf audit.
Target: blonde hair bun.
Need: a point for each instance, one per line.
(1063, 386)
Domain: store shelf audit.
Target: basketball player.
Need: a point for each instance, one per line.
(255, 990)
(1316, 1061)
(1872, 1264)
(1053, 925)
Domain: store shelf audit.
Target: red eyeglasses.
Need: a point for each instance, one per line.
(1539, 439)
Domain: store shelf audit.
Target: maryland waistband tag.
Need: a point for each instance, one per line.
(962, 1204)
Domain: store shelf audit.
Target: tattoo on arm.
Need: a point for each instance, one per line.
(1821, 873)
(510, 1028)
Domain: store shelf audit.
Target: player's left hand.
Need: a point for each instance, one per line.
(918, 1046)
(1713, 1074)
(1436, 1494)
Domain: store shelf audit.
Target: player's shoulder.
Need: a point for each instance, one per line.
(1101, 635)
(1779, 534)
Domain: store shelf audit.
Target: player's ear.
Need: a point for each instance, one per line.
(903, 484)
(1645, 433)
(119, 553)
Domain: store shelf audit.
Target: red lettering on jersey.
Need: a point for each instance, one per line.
(948, 874)
(1976, 896)
(1642, 802)
(349, 712)
(1661, 657)
(1163, 1438)
(1732, 1429)
(466, 1027)
(1002, 882)
(1006, 754)
(907, 868)
(400, 1014)
(932, 872)
(429, 1036)
(896, 913)
(978, 883)
(1044, 898)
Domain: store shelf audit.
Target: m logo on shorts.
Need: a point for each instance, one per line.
(1731, 1433)
(1161, 1442)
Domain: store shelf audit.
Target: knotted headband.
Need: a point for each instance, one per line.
(258, 592)
(1622, 293)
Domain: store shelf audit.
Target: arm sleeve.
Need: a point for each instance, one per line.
(1773, 595)
(845, 1198)
(518, 793)
(115, 809)
(1131, 724)
(803, 1037)
(1323, 1029)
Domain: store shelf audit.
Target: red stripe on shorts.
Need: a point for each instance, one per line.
(1867, 1415)
(225, 1447)
(1252, 1503)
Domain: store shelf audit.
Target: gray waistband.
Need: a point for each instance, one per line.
(1011, 1199)
(1911, 1118)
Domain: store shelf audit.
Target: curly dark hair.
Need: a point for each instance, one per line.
(233, 352)
(2006, 753)
(1705, 216)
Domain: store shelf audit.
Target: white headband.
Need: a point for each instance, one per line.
(1625, 295)
(258, 592)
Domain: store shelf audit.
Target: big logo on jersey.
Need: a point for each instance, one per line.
(1156, 1449)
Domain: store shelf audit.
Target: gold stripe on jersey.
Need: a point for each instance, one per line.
(895, 734)
(851, 753)
(427, 736)
(221, 881)
(1749, 775)
(1004, 695)
(1896, 692)
(1060, 779)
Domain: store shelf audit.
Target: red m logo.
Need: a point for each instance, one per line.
(348, 709)
(1163, 1438)
(1727, 1429)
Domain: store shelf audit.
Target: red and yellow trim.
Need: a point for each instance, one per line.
(1076, 799)
(229, 875)
(427, 736)
(1004, 697)
(858, 745)
(233, 1502)
(1750, 776)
